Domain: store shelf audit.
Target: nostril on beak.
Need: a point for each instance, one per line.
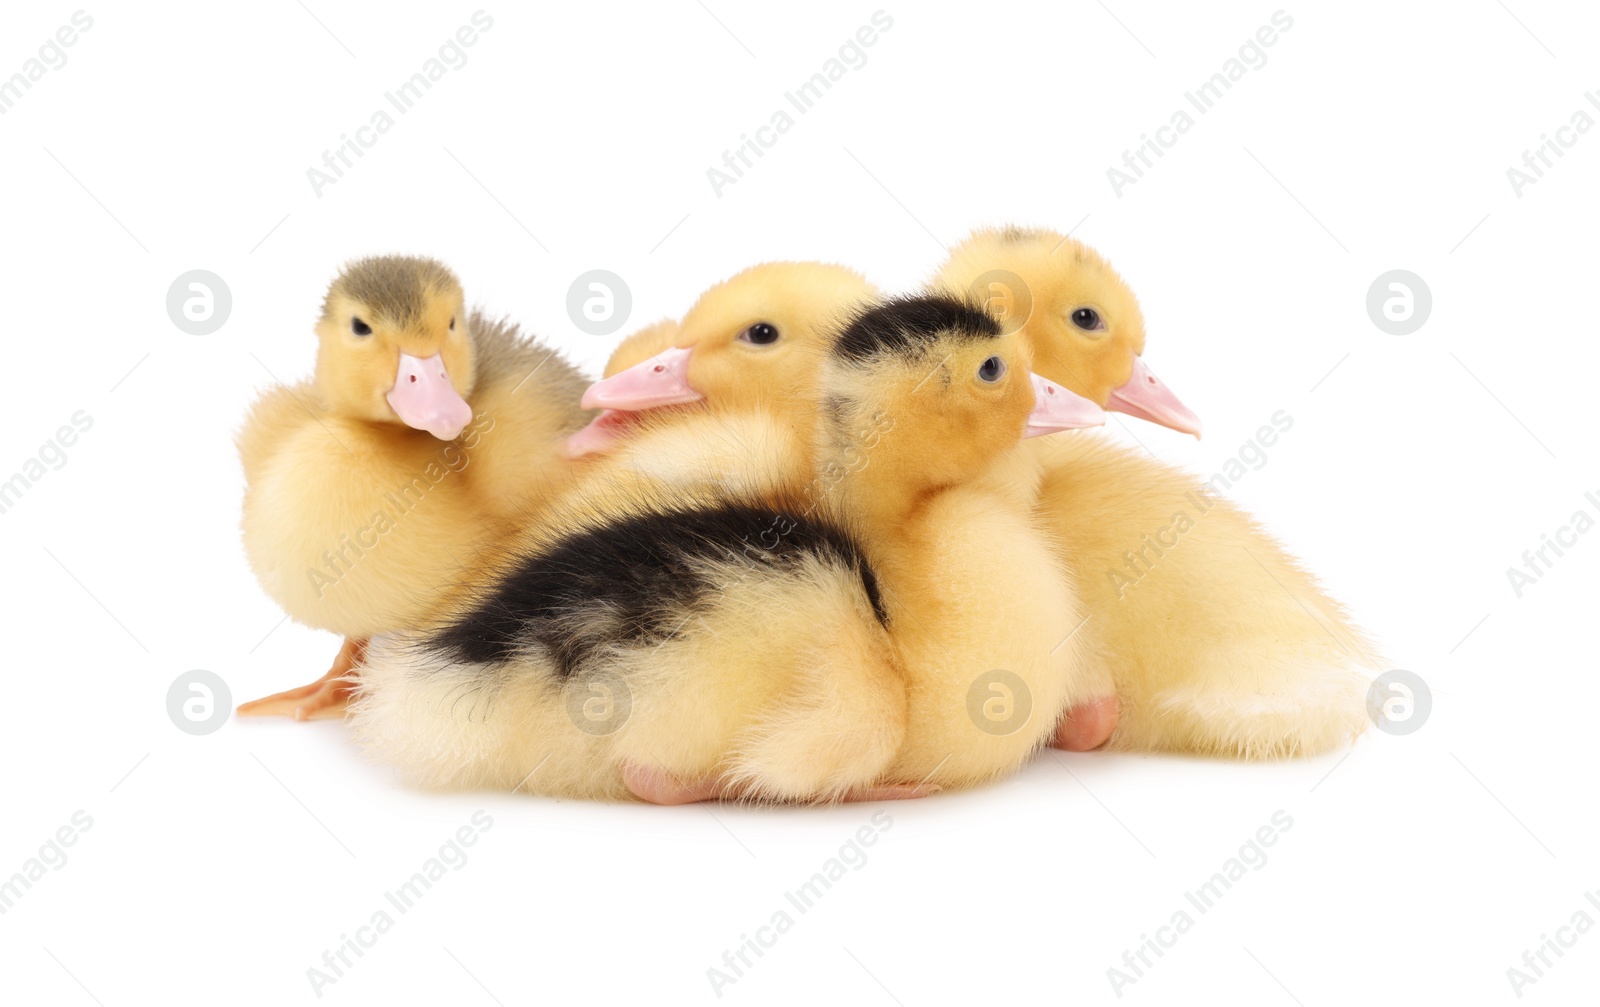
(413, 379)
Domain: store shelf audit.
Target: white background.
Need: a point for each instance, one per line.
(219, 868)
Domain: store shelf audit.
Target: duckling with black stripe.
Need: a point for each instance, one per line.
(707, 637)
(982, 609)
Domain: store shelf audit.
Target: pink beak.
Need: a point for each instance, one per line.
(424, 399)
(1147, 398)
(603, 432)
(663, 380)
(1055, 408)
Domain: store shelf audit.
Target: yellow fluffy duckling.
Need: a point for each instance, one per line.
(1219, 642)
(753, 641)
(925, 405)
(424, 436)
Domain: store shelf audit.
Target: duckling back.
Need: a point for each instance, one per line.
(719, 638)
(525, 404)
(1219, 641)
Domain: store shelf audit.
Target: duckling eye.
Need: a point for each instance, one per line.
(452, 323)
(360, 328)
(760, 334)
(991, 370)
(1087, 319)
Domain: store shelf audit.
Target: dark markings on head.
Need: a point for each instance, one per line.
(394, 286)
(1014, 235)
(639, 581)
(1017, 235)
(905, 327)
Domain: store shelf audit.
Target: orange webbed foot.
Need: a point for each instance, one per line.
(324, 699)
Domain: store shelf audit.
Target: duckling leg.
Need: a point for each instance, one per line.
(1087, 726)
(324, 699)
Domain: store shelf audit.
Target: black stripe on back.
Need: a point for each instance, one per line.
(905, 325)
(632, 581)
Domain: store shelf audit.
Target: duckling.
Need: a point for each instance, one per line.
(426, 434)
(754, 642)
(1084, 322)
(1253, 659)
(942, 495)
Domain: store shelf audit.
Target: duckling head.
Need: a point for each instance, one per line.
(940, 382)
(754, 342)
(393, 345)
(1083, 321)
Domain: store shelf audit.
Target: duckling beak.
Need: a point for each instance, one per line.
(601, 433)
(1147, 398)
(663, 380)
(424, 399)
(1055, 408)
